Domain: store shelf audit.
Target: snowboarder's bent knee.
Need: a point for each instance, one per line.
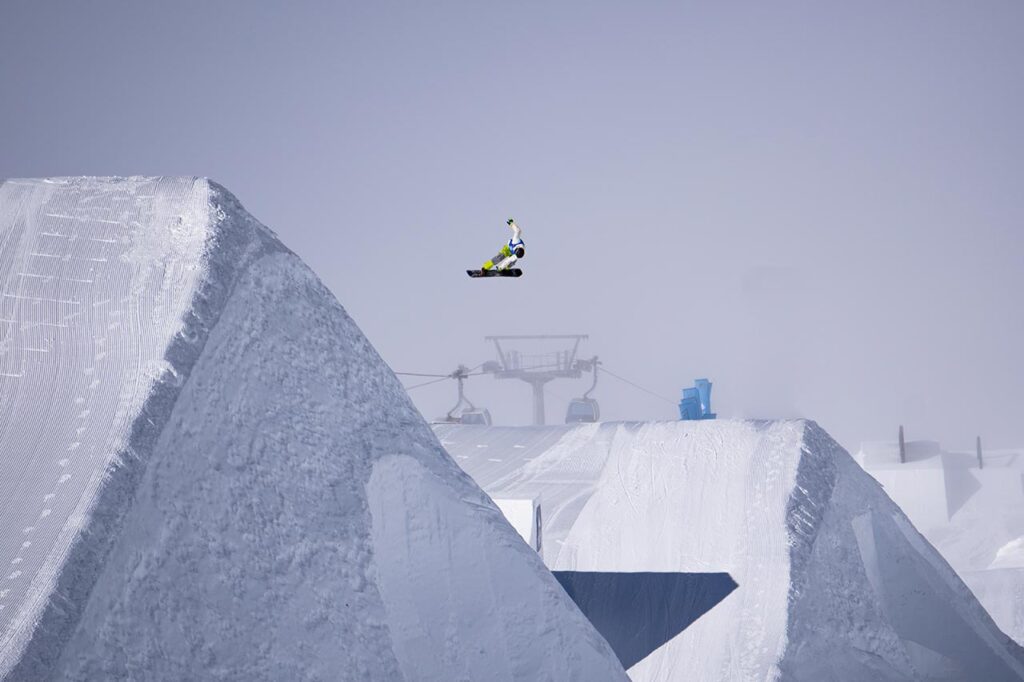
(510, 252)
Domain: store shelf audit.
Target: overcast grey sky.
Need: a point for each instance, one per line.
(816, 205)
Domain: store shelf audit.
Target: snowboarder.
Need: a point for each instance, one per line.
(501, 264)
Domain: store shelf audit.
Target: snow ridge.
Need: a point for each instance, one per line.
(273, 507)
(232, 243)
(91, 300)
(833, 581)
(869, 597)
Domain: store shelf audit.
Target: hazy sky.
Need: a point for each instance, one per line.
(816, 205)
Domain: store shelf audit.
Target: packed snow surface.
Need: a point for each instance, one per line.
(834, 582)
(208, 473)
(974, 515)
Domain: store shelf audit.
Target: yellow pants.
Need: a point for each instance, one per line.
(502, 255)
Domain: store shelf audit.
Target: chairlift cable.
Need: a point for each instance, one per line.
(660, 397)
(437, 377)
(426, 383)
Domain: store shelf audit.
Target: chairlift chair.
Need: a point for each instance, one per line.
(585, 409)
(478, 417)
(582, 410)
(471, 414)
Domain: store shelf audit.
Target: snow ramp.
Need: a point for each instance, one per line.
(207, 472)
(833, 582)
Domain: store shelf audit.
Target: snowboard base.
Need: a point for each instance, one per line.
(511, 272)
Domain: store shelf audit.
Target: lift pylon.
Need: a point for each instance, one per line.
(535, 369)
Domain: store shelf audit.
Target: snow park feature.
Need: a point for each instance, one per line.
(207, 472)
(638, 612)
(832, 582)
(526, 517)
(696, 402)
(970, 506)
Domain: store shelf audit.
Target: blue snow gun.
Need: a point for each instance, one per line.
(696, 402)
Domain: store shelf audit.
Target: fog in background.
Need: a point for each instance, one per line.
(816, 205)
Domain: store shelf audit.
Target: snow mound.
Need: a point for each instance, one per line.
(1010, 555)
(833, 581)
(208, 472)
(971, 511)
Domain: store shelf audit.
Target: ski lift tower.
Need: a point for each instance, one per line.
(537, 369)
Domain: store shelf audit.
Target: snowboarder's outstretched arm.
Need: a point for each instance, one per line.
(517, 234)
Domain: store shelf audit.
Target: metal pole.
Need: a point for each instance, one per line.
(903, 447)
(538, 403)
(981, 462)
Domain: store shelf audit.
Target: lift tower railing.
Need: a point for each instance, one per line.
(536, 369)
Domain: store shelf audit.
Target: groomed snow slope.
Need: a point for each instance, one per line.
(973, 515)
(207, 472)
(834, 582)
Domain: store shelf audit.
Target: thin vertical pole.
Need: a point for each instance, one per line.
(538, 403)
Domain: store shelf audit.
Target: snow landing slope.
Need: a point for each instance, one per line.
(833, 581)
(974, 516)
(207, 472)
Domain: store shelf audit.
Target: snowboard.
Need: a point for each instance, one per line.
(511, 272)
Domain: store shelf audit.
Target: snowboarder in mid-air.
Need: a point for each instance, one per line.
(501, 264)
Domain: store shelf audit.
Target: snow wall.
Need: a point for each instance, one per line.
(833, 582)
(207, 472)
(973, 515)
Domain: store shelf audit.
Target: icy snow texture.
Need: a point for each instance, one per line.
(834, 583)
(973, 516)
(218, 476)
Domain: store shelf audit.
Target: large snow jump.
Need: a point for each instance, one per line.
(833, 581)
(207, 472)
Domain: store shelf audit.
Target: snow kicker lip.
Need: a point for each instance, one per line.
(86, 384)
(781, 507)
(638, 612)
(150, 327)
